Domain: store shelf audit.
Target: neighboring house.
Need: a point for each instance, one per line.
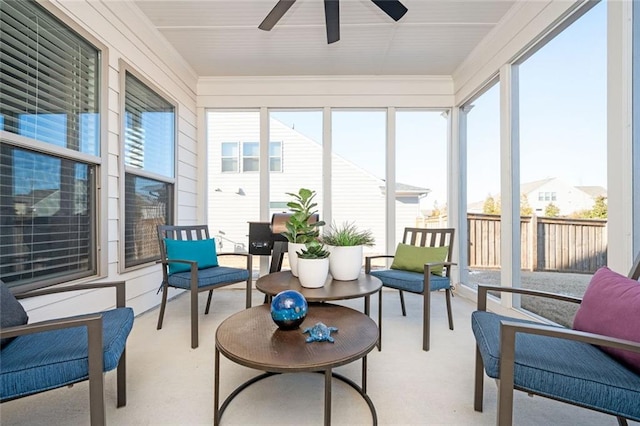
(566, 197)
(295, 161)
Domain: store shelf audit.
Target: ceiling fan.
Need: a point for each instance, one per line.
(394, 8)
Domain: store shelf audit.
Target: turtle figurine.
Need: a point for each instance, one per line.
(320, 333)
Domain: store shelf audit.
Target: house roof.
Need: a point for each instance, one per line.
(403, 189)
(593, 191)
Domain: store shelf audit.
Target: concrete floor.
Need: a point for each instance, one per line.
(171, 384)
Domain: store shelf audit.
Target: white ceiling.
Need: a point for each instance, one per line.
(221, 37)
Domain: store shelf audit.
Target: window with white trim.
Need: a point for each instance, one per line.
(50, 148)
(149, 160)
(229, 157)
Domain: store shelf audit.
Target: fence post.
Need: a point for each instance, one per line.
(534, 242)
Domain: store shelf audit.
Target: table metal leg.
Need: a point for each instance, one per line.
(367, 305)
(216, 388)
(364, 374)
(327, 397)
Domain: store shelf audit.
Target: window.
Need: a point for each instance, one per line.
(275, 156)
(540, 196)
(229, 157)
(250, 157)
(149, 158)
(49, 84)
(563, 110)
(483, 187)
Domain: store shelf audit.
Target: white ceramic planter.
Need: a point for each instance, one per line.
(313, 273)
(293, 249)
(345, 262)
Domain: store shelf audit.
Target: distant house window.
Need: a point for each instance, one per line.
(540, 196)
(275, 156)
(547, 196)
(229, 157)
(250, 156)
(553, 196)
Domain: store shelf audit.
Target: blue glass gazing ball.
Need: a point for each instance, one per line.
(288, 309)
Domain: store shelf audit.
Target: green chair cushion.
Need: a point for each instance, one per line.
(413, 258)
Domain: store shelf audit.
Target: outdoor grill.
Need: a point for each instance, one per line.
(266, 239)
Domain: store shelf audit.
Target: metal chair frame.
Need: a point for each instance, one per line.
(193, 232)
(93, 323)
(423, 237)
(508, 332)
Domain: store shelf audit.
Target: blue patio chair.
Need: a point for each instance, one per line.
(587, 366)
(422, 261)
(60, 352)
(190, 262)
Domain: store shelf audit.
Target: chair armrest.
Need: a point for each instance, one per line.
(430, 265)
(484, 289)
(367, 261)
(54, 324)
(119, 286)
(508, 330)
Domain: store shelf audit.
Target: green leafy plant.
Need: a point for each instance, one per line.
(314, 250)
(300, 227)
(347, 234)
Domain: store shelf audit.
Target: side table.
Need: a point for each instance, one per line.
(250, 338)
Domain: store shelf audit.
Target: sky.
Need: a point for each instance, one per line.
(562, 123)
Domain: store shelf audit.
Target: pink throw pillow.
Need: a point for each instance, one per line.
(611, 307)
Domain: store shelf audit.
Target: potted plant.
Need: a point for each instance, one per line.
(313, 265)
(302, 226)
(346, 244)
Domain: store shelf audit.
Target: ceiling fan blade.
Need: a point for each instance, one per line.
(393, 8)
(276, 13)
(332, 19)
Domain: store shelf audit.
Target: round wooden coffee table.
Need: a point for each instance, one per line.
(250, 338)
(364, 286)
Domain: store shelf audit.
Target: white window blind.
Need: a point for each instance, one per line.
(149, 141)
(48, 79)
(49, 92)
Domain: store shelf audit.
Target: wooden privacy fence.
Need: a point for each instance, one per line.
(547, 244)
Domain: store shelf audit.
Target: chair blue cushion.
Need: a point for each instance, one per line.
(210, 276)
(41, 361)
(547, 366)
(409, 281)
(11, 312)
(201, 251)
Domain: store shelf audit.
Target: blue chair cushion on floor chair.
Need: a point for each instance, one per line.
(598, 382)
(209, 276)
(410, 281)
(41, 361)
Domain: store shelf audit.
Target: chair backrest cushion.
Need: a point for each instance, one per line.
(11, 312)
(201, 251)
(610, 307)
(413, 258)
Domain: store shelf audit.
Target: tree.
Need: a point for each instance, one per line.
(490, 206)
(599, 210)
(551, 210)
(525, 207)
(436, 212)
